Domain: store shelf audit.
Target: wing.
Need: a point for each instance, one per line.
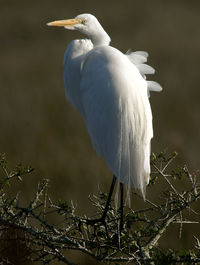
(73, 58)
(118, 114)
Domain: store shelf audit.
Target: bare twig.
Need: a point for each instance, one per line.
(138, 241)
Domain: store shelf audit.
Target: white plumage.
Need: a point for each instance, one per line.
(111, 93)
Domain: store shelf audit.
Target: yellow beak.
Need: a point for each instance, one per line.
(65, 22)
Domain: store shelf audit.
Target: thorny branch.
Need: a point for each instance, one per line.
(30, 229)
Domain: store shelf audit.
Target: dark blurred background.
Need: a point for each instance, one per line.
(39, 127)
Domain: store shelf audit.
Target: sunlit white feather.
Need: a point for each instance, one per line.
(109, 90)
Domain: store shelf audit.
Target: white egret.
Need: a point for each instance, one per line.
(110, 90)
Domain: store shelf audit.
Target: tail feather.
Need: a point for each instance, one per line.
(134, 151)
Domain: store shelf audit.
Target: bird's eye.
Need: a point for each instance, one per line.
(83, 21)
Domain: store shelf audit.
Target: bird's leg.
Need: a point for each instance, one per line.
(103, 217)
(121, 226)
(121, 210)
(109, 198)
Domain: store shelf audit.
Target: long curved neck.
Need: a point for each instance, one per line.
(100, 38)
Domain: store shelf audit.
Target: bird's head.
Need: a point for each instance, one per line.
(86, 24)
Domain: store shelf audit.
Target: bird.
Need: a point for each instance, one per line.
(110, 90)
